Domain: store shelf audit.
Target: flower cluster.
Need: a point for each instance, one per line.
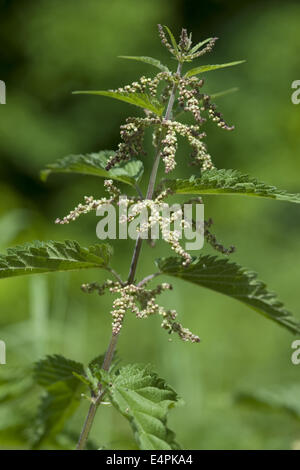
(183, 51)
(169, 147)
(213, 114)
(132, 134)
(198, 53)
(189, 93)
(194, 136)
(159, 219)
(164, 40)
(91, 204)
(212, 240)
(141, 302)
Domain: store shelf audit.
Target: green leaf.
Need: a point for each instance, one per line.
(171, 36)
(200, 44)
(280, 398)
(44, 257)
(142, 100)
(208, 68)
(219, 94)
(54, 369)
(228, 182)
(94, 164)
(62, 398)
(144, 399)
(147, 60)
(231, 279)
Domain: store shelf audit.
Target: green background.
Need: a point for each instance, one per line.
(49, 49)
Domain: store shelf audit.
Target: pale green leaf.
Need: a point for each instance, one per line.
(171, 36)
(208, 68)
(142, 100)
(147, 60)
(200, 44)
(228, 182)
(94, 164)
(44, 257)
(144, 399)
(234, 281)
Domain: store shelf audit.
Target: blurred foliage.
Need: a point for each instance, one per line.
(52, 48)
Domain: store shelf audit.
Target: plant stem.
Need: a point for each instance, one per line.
(133, 266)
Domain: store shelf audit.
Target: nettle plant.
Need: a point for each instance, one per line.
(135, 390)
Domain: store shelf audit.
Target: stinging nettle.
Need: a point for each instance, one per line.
(134, 390)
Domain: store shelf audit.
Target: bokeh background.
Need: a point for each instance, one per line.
(49, 49)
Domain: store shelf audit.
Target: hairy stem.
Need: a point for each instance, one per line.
(135, 257)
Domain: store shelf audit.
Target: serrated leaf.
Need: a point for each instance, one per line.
(171, 36)
(234, 281)
(200, 44)
(142, 100)
(280, 398)
(56, 368)
(144, 399)
(56, 375)
(208, 68)
(94, 164)
(147, 60)
(229, 182)
(44, 257)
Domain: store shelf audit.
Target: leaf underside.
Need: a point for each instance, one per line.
(234, 281)
(142, 100)
(44, 257)
(145, 399)
(228, 182)
(94, 164)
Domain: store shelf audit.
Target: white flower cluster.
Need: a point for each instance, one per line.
(199, 154)
(169, 147)
(153, 85)
(91, 204)
(142, 302)
(157, 218)
(189, 96)
(146, 84)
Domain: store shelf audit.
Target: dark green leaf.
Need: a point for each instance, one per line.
(147, 60)
(144, 399)
(56, 368)
(228, 182)
(231, 279)
(45, 257)
(56, 375)
(141, 100)
(208, 68)
(94, 164)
